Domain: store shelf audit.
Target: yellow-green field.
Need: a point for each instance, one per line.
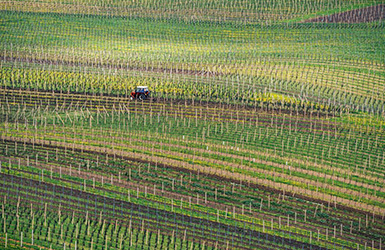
(262, 131)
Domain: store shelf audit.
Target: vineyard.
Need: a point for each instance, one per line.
(265, 128)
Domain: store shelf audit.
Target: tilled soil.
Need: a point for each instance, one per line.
(364, 15)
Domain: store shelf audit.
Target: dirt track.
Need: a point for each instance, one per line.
(364, 15)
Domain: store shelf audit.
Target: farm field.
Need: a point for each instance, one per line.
(265, 128)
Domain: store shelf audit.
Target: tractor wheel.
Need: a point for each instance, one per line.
(142, 97)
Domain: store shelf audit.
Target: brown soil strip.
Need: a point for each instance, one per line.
(261, 188)
(185, 108)
(213, 177)
(269, 163)
(248, 187)
(364, 15)
(221, 173)
(264, 162)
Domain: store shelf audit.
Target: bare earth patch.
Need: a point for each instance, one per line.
(364, 15)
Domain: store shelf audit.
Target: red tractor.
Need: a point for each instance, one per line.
(141, 93)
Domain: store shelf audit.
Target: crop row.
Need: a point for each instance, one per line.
(168, 187)
(258, 65)
(107, 139)
(339, 150)
(215, 125)
(38, 228)
(239, 12)
(118, 207)
(178, 181)
(166, 149)
(199, 156)
(254, 91)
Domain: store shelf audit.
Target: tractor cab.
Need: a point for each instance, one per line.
(141, 93)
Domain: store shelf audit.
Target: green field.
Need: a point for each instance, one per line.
(263, 131)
